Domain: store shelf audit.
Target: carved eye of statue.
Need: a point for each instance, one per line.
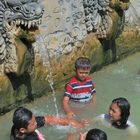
(17, 8)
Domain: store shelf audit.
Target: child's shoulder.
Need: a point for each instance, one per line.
(72, 80)
(88, 78)
(132, 128)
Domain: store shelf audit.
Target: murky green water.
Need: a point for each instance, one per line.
(119, 79)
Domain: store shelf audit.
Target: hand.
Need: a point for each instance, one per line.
(85, 122)
(79, 124)
(83, 136)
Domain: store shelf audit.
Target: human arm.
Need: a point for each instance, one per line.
(54, 120)
(67, 108)
(94, 99)
(93, 92)
(72, 136)
(82, 136)
(67, 96)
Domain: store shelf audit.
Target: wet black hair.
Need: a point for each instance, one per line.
(124, 106)
(21, 117)
(96, 134)
(82, 62)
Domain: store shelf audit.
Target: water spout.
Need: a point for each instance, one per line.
(46, 62)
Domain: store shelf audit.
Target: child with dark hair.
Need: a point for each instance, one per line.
(93, 134)
(81, 87)
(124, 111)
(118, 115)
(25, 124)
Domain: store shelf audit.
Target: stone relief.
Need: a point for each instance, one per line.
(132, 15)
(64, 24)
(75, 19)
(19, 21)
(106, 18)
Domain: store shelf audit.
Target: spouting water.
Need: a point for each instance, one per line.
(46, 62)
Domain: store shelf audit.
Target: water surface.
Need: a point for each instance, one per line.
(119, 79)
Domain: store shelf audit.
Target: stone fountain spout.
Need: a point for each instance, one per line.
(18, 28)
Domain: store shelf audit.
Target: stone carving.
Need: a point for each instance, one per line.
(106, 19)
(75, 19)
(98, 15)
(19, 20)
(132, 15)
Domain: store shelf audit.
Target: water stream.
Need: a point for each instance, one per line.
(46, 62)
(118, 79)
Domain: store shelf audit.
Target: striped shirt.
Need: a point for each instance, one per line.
(80, 90)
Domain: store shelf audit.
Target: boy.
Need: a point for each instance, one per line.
(25, 124)
(80, 88)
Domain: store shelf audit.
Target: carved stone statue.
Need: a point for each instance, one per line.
(106, 19)
(19, 20)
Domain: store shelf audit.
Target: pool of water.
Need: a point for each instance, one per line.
(118, 79)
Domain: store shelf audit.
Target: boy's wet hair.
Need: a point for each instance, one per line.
(82, 63)
(21, 118)
(96, 134)
(124, 106)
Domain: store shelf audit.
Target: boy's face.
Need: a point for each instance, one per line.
(82, 73)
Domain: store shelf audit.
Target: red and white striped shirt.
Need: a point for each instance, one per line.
(80, 90)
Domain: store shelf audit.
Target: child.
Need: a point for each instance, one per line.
(93, 134)
(118, 115)
(25, 124)
(80, 88)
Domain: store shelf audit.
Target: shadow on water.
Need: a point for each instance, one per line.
(24, 79)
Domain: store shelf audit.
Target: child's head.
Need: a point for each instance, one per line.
(82, 63)
(96, 134)
(119, 112)
(82, 66)
(24, 120)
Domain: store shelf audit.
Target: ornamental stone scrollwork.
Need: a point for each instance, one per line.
(100, 15)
